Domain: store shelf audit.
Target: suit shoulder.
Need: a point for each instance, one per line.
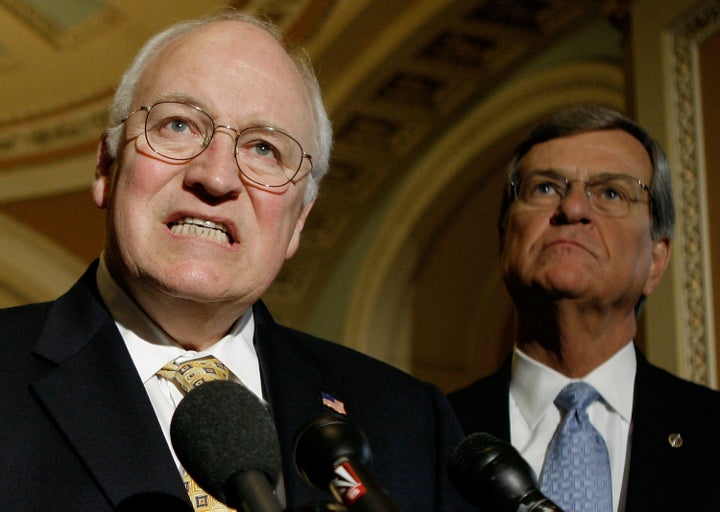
(23, 320)
(345, 358)
(675, 389)
(490, 385)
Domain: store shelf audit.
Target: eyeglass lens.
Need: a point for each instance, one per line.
(181, 131)
(610, 194)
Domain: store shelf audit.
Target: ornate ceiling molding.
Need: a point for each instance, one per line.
(45, 138)
(64, 25)
(411, 82)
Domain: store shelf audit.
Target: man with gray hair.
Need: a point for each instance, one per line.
(585, 228)
(217, 142)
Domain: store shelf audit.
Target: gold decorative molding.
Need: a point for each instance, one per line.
(38, 139)
(691, 227)
(63, 34)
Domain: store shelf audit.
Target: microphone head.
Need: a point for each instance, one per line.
(323, 443)
(487, 470)
(221, 429)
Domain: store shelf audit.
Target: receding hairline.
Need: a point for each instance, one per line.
(288, 63)
(620, 131)
(216, 25)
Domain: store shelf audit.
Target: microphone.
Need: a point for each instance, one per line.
(333, 454)
(492, 475)
(226, 440)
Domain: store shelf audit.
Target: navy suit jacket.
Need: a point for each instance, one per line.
(78, 432)
(660, 477)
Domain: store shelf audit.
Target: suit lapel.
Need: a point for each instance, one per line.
(650, 452)
(96, 398)
(495, 415)
(293, 379)
(483, 406)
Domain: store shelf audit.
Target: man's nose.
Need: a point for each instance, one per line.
(215, 170)
(577, 203)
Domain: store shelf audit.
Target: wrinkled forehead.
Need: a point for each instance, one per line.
(592, 152)
(230, 65)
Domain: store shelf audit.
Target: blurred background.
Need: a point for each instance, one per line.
(428, 98)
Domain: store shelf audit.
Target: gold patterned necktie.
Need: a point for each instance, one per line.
(188, 376)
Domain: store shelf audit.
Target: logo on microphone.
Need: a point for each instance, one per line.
(347, 483)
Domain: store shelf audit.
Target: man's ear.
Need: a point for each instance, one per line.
(103, 165)
(299, 225)
(660, 259)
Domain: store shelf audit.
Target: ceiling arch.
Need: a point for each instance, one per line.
(468, 157)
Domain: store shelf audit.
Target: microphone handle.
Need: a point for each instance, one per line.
(535, 501)
(358, 490)
(250, 491)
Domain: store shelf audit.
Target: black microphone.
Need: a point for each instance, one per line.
(333, 454)
(226, 440)
(492, 475)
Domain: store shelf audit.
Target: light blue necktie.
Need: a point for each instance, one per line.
(576, 471)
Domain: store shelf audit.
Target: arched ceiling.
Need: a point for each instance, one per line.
(395, 74)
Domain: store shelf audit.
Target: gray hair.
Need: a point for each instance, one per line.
(586, 118)
(125, 93)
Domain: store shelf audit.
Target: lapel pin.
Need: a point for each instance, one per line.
(675, 440)
(331, 402)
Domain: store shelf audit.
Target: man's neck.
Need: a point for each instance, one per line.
(574, 341)
(192, 324)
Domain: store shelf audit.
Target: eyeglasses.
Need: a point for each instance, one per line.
(609, 194)
(181, 131)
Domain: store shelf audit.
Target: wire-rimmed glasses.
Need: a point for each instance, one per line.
(265, 155)
(609, 194)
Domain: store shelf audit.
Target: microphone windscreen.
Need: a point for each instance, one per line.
(221, 429)
(487, 470)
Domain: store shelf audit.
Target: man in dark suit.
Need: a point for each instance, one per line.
(218, 140)
(585, 229)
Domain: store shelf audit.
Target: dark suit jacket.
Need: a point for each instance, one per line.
(78, 432)
(660, 477)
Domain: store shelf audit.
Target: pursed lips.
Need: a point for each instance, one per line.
(567, 242)
(193, 226)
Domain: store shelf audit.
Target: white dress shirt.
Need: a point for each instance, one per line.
(151, 348)
(534, 417)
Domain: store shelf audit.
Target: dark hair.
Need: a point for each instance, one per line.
(586, 118)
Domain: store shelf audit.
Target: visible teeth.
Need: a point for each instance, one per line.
(203, 223)
(190, 226)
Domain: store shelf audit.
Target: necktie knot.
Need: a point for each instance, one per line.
(194, 373)
(576, 395)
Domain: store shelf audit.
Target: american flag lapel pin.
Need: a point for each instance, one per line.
(331, 402)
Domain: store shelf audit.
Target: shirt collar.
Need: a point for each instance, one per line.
(151, 348)
(534, 385)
